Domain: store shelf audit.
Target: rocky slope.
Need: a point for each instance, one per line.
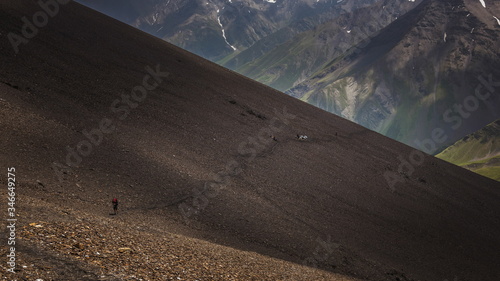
(61, 243)
(92, 109)
(478, 152)
(434, 68)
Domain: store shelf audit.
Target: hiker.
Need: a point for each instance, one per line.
(115, 205)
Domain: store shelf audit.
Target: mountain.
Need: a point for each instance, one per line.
(478, 152)
(215, 29)
(257, 38)
(212, 180)
(343, 56)
(300, 56)
(426, 80)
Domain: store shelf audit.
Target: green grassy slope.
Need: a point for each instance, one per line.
(478, 152)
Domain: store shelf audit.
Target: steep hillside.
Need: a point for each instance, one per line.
(478, 152)
(125, 10)
(61, 243)
(434, 69)
(212, 180)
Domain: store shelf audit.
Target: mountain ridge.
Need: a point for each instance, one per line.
(215, 29)
(319, 46)
(426, 75)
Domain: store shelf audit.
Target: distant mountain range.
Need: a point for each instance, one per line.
(435, 69)
(284, 61)
(401, 68)
(215, 29)
(478, 152)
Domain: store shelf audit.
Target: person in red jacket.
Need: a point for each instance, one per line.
(115, 205)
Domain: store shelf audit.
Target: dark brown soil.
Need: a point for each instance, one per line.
(321, 202)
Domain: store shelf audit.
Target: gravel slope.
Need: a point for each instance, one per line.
(195, 158)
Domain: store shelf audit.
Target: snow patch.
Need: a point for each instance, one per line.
(444, 37)
(482, 3)
(498, 20)
(270, 1)
(223, 31)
